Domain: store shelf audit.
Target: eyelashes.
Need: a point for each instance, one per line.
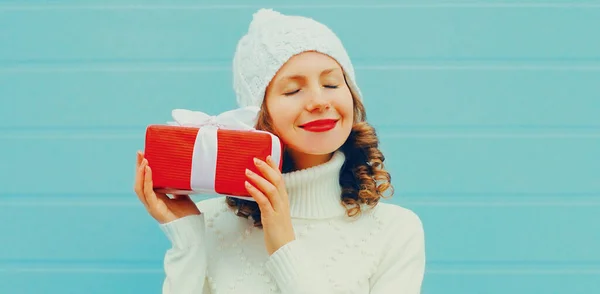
(296, 91)
(291, 93)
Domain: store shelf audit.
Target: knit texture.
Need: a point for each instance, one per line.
(382, 251)
(272, 39)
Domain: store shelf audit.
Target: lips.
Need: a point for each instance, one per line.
(321, 125)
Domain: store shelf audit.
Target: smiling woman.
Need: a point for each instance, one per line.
(317, 226)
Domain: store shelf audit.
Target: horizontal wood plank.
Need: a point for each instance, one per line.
(99, 282)
(403, 98)
(131, 33)
(84, 229)
(104, 163)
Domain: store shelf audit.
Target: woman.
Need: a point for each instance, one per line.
(318, 226)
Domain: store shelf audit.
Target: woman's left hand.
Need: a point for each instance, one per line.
(271, 196)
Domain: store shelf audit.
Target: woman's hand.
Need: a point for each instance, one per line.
(270, 194)
(159, 205)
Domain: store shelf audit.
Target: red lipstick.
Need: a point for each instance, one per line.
(321, 125)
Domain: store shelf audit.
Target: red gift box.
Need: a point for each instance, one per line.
(207, 154)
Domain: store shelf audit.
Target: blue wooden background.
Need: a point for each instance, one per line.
(488, 112)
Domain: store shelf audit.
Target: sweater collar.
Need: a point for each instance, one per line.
(315, 192)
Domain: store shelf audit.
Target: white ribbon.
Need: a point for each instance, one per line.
(238, 119)
(204, 158)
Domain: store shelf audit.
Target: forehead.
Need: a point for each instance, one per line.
(308, 64)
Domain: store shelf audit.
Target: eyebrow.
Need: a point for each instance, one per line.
(328, 71)
(298, 77)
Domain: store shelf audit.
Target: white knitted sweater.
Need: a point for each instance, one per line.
(218, 252)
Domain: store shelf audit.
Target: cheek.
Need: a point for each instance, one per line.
(345, 105)
(283, 116)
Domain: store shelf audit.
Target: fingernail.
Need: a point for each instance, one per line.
(269, 158)
(248, 172)
(256, 161)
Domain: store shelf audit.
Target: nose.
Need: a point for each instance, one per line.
(317, 102)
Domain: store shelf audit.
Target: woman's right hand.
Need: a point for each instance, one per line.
(159, 205)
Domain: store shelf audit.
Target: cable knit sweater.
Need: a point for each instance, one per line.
(217, 252)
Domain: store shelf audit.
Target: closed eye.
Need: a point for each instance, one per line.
(331, 86)
(291, 93)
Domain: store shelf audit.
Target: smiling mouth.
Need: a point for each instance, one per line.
(321, 125)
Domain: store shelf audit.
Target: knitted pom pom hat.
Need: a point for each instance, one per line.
(272, 39)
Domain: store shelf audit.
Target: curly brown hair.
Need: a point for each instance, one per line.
(363, 177)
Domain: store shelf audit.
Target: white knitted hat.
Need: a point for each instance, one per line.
(272, 39)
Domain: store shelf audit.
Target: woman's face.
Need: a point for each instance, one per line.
(310, 105)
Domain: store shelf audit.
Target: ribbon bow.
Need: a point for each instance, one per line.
(239, 119)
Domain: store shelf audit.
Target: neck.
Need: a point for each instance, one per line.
(301, 161)
(315, 192)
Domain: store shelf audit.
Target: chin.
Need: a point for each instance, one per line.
(319, 145)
